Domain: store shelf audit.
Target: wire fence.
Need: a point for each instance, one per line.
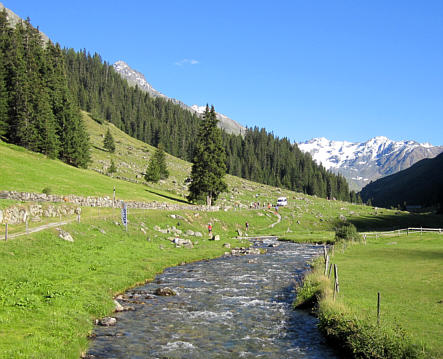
(404, 231)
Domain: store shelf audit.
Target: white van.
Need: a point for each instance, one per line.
(282, 201)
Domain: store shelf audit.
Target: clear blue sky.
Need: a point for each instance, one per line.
(345, 70)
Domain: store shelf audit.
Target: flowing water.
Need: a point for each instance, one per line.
(231, 307)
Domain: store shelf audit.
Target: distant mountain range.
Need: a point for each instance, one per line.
(137, 78)
(421, 185)
(363, 162)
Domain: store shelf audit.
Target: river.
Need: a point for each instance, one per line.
(230, 307)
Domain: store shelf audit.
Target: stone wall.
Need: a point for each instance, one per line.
(16, 213)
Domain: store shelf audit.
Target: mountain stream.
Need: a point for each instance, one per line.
(230, 307)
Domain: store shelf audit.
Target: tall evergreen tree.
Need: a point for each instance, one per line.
(108, 142)
(157, 168)
(209, 164)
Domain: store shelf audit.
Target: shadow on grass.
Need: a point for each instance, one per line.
(100, 149)
(387, 222)
(175, 199)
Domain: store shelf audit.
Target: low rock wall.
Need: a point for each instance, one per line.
(19, 213)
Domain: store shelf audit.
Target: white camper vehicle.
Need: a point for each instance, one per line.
(282, 201)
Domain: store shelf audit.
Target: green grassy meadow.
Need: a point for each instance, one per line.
(407, 271)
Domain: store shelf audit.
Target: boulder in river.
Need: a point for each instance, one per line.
(106, 321)
(164, 292)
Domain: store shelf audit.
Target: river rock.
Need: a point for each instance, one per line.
(164, 292)
(239, 232)
(190, 232)
(118, 307)
(64, 235)
(183, 243)
(106, 321)
(227, 245)
(216, 237)
(198, 234)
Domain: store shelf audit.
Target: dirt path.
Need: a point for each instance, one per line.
(278, 220)
(40, 228)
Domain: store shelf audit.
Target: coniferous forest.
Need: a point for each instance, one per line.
(36, 108)
(42, 87)
(258, 156)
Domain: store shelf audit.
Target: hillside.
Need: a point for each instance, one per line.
(419, 185)
(363, 162)
(136, 78)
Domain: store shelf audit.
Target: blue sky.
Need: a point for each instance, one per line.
(345, 70)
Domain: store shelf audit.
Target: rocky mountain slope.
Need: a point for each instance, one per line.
(363, 162)
(137, 78)
(13, 19)
(420, 185)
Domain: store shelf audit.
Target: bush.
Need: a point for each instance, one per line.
(362, 339)
(47, 190)
(345, 231)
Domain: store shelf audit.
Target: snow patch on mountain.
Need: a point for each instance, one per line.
(361, 162)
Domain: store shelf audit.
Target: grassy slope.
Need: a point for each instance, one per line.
(407, 271)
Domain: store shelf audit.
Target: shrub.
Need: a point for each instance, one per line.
(359, 338)
(345, 231)
(47, 190)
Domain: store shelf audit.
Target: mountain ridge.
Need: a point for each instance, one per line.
(362, 162)
(135, 77)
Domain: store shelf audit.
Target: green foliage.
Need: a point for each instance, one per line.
(47, 190)
(35, 107)
(112, 168)
(346, 231)
(361, 339)
(108, 142)
(157, 168)
(208, 166)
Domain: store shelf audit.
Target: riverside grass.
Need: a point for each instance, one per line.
(52, 290)
(407, 271)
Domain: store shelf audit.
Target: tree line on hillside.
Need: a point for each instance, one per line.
(258, 156)
(36, 108)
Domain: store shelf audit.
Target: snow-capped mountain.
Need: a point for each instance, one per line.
(137, 78)
(362, 162)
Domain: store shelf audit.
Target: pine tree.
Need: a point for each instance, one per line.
(108, 142)
(112, 168)
(209, 164)
(157, 168)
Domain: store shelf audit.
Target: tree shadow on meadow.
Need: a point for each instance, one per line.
(175, 199)
(398, 220)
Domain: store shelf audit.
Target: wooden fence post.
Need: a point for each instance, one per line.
(407, 232)
(330, 271)
(378, 308)
(336, 285)
(326, 264)
(27, 226)
(325, 252)
(6, 231)
(78, 217)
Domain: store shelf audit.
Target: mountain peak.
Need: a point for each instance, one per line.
(137, 78)
(361, 162)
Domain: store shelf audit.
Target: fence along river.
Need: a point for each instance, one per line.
(230, 307)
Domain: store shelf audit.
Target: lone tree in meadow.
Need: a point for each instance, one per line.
(209, 162)
(108, 142)
(157, 168)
